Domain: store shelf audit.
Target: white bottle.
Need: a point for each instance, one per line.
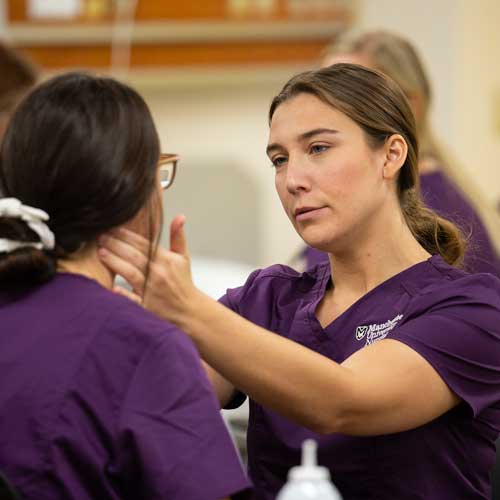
(309, 481)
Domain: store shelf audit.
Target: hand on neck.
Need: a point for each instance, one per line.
(86, 262)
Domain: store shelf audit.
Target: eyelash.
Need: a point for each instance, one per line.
(275, 160)
(324, 147)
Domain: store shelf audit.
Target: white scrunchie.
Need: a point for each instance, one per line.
(34, 218)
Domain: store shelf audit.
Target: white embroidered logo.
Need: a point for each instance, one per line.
(375, 332)
(361, 332)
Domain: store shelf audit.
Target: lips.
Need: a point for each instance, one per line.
(305, 210)
(303, 214)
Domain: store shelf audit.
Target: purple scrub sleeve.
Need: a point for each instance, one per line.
(460, 338)
(441, 195)
(105, 400)
(451, 318)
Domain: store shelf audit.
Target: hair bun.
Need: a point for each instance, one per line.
(26, 265)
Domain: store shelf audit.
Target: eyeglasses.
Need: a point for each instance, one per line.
(168, 166)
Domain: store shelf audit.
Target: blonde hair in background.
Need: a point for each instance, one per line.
(397, 58)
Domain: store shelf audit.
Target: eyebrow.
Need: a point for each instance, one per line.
(302, 137)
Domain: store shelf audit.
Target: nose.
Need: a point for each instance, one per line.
(297, 175)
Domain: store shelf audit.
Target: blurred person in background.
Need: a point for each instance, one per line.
(17, 76)
(99, 398)
(445, 187)
(389, 357)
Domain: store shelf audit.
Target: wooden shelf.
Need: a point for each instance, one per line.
(158, 55)
(190, 10)
(168, 34)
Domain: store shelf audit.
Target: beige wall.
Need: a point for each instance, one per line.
(476, 111)
(459, 41)
(219, 123)
(432, 27)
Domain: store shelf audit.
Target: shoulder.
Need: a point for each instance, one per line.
(275, 282)
(435, 184)
(456, 286)
(128, 346)
(455, 301)
(130, 323)
(113, 327)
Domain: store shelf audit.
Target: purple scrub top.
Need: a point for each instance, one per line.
(451, 318)
(102, 400)
(440, 194)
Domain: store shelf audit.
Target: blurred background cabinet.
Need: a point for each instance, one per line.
(62, 33)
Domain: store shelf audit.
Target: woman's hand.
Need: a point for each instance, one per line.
(167, 289)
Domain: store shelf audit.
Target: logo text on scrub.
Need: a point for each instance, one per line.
(376, 331)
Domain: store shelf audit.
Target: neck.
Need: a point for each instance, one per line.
(374, 256)
(86, 263)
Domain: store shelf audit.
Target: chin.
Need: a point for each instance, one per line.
(321, 245)
(334, 241)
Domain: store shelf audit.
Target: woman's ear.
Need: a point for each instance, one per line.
(395, 151)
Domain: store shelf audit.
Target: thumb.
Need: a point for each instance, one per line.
(178, 243)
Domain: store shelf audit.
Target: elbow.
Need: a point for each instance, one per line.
(331, 428)
(330, 423)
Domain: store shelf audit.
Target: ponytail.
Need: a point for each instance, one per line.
(436, 234)
(25, 265)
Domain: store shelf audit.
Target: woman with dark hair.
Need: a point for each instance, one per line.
(390, 356)
(100, 398)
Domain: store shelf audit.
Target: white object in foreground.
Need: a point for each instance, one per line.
(309, 481)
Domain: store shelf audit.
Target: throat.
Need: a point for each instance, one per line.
(332, 306)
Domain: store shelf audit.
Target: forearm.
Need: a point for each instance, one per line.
(279, 374)
(376, 390)
(223, 389)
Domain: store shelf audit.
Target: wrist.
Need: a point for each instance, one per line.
(193, 312)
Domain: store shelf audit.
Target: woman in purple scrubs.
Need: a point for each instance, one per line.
(99, 398)
(444, 185)
(390, 356)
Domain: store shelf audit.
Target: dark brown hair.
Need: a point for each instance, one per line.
(85, 150)
(381, 109)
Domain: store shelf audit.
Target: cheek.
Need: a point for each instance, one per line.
(353, 185)
(281, 190)
(139, 224)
